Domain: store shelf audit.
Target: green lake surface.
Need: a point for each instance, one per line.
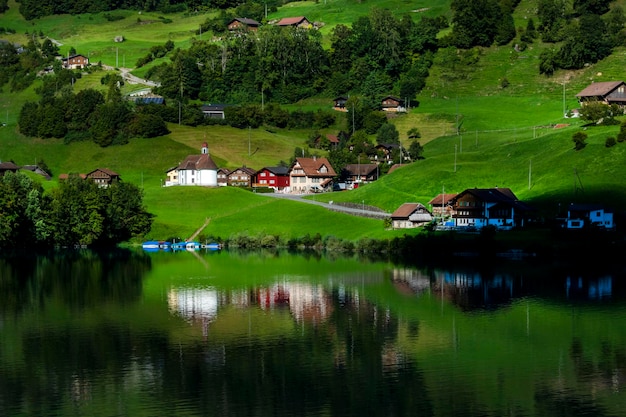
(222, 333)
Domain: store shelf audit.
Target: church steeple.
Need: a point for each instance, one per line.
(205, 148)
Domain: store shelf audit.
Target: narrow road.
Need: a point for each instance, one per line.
(362, 212)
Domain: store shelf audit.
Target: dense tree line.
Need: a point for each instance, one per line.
(33, 9)
(77, 212)
(87, 115)
(378, 55)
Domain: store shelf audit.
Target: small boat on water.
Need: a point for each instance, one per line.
(185, 246)
(212, 246)
(155, 245)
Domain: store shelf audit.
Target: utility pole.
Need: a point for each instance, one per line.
(455, 157)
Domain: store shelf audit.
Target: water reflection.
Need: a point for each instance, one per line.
(172, 334)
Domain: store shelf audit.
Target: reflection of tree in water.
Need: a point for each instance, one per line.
(79, 279)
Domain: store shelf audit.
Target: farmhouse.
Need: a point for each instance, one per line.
(8, 166)
(274, 177)
(608, 92)
(442, 205)
(198, 169)
(75, 61)
(311, 175)
(410, 215)
(340, 103)
(222, 176)
(103, 176)
(581, 216)
(360, 173)
(214, 111)
(241, 177)
(243, 23)
(392, 104)
(299, 21)
(498, 207)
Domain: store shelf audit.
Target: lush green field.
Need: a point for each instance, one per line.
(507, 136)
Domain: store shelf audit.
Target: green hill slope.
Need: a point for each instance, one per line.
(507, 137)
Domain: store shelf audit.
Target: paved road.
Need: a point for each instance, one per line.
(330, 206)
(130, 78)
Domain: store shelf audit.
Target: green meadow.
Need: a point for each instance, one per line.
(475, 132)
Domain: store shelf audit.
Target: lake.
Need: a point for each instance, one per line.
(130, 333)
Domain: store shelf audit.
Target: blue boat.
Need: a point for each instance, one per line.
(212, 246)
(155, 245)
(185, 246)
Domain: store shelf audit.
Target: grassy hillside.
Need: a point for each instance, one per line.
(507, 136)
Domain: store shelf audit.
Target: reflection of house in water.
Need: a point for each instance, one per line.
(471, 290)
(196, 305)
(591, 289)
(269, 298)
(309, 303)
(410, 281)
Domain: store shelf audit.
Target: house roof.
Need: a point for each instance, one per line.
(599, 89)
(586, 207)
(407, 209)
(246, 21)
(245, 169)
(388, 146)
(490, 194)
(332, 138)
(392, 98)
(198, 162)
(107, 171)
(277, 170)
(291, 21)
(442, 199)
(213, 107)
(312, 167)
(360, 169)
(8, 166)
(149, 98)
(73, 56)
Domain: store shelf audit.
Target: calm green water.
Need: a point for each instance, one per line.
(227, 334)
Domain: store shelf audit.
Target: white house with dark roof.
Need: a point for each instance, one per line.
(581, 216)
(198, 169)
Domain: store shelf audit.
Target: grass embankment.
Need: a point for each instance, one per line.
(506, 138)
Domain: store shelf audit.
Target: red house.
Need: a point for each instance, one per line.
(275, 177)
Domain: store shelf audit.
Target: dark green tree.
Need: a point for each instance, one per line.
(579, 139)
(388, 133)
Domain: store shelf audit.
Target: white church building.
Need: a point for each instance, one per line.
(197, 170)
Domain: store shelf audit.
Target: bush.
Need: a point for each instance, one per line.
(579, 139)
(610, 142)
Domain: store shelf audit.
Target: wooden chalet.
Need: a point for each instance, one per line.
(608, 92)
(360, 173)
(75, 61)
(243, 23)
(311, 175)
(392, 104)
(410, 215)
(340, 103)
(273, 177)
(442, 205)
(299, 21)
(8, 167)
(386, 151)
(498, 207)
(241, 177)
(222, 176)
(103, 176)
